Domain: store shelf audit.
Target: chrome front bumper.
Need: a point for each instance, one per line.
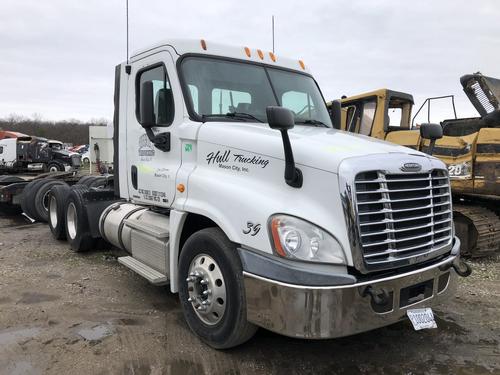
(320, 312)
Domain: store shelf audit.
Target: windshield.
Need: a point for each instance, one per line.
(56, 146)
(220, 89)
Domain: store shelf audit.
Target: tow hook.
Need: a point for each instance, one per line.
(380, 297)
(461, 268)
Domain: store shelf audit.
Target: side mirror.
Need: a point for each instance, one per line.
(146, 105)
(336, 114)
(282, 119)
(431, 132)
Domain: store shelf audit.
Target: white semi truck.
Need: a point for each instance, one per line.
(232, 187)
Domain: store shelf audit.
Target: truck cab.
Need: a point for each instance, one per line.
(378, 114)
(232, 187)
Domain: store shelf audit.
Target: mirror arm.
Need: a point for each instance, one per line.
(431, 146)
(293, 175)
(161, 140)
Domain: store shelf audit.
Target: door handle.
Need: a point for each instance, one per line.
(133, 174)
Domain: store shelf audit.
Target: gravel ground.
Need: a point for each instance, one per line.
(68, 313)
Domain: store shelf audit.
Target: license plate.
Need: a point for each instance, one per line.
(421, 318)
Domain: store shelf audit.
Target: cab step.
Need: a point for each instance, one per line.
(150, 274)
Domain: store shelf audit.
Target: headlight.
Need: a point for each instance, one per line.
(294, 238)
(461, 170)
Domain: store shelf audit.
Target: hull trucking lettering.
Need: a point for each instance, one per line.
(226, 157)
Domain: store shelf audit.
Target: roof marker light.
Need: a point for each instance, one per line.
(302, 65)
(203, 44)
(272, 56)
(261, 55)
(247, 51)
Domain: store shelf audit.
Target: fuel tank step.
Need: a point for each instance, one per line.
(152, 275)
(148, 228)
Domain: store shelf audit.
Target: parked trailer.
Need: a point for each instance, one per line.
(232, 187)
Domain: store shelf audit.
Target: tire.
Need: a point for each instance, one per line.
(76, 221)
(28, 197)
(55, 167)
(41, 202)
(86, 161)
(98, 181)
(229, 327)
(57, 202)
(85, 180)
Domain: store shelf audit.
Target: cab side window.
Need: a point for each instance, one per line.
(367, 117)
(162, 94)
(1, 149)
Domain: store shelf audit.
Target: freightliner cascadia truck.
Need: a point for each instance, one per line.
(233, 188)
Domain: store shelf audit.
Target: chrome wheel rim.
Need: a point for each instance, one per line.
(53, 211)
(71, 220)
(53, 169)
(206, 289)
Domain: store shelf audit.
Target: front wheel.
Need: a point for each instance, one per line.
(55, 167)
(211, 290)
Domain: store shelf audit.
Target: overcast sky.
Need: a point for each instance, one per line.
(57, 57)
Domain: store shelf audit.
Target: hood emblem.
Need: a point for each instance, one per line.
(411, 167)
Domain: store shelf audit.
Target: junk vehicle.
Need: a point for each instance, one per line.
(24, 154)
(232, 187)
(10, 134)
(470, 147)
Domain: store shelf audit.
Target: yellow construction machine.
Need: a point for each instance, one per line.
(470, 147)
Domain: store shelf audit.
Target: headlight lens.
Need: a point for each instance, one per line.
(461, 170)
(294, 238)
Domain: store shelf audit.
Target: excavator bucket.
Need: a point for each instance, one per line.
(483, 92)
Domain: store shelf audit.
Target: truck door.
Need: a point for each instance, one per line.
(151, 171)
(8, 154)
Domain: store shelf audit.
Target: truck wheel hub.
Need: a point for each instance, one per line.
(206, 289)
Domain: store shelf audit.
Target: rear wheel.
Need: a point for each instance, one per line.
(76, 221)
(211, 290)
(41, 202)
(57, 201)
(28, 197)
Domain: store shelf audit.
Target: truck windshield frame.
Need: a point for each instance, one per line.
(239, 91)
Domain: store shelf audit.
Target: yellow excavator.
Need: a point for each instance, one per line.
(470, 147)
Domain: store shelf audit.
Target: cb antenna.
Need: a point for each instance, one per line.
(272, 30)
(127, 67)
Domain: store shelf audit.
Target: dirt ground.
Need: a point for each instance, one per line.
(68, 313)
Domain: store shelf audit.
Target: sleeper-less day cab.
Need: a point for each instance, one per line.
(232, 187)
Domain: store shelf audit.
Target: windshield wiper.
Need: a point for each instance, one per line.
(312, 122)
(241, 116)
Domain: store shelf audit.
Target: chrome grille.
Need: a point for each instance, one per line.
(402, 216)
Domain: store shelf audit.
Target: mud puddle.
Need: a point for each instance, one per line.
(96, 333)
(12, 336)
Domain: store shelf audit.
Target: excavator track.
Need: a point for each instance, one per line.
(478, 229)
